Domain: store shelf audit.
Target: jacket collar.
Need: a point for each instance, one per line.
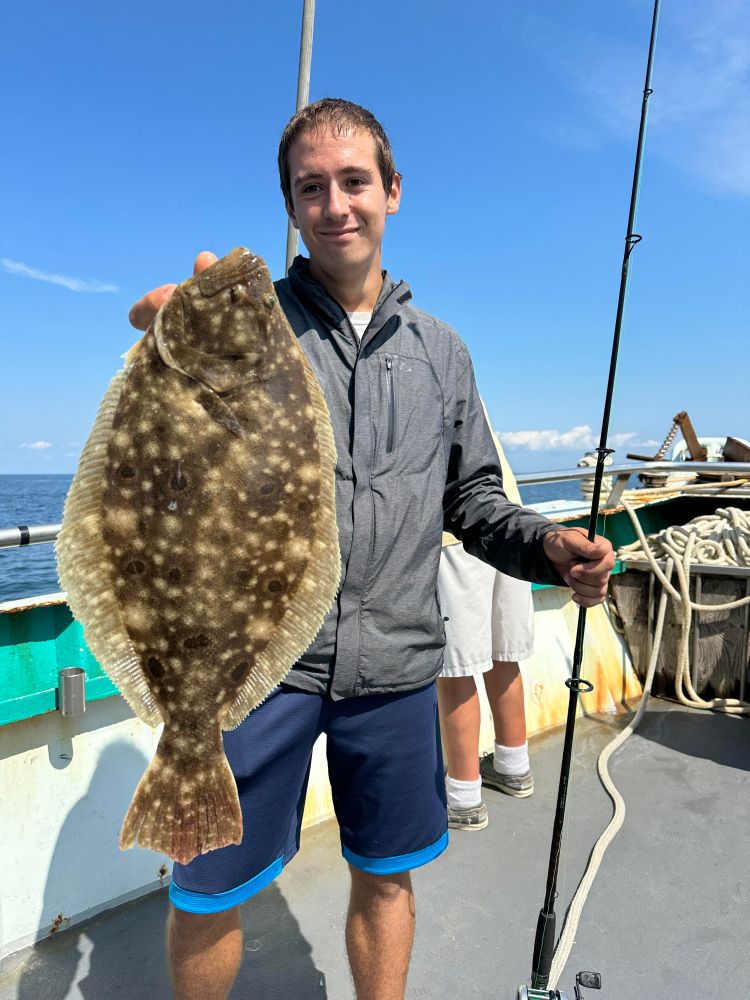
(393, 295)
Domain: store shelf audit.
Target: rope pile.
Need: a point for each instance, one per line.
(720, 539)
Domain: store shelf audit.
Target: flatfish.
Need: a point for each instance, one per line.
(199, 547)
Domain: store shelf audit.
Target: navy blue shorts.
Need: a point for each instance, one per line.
(386, 771)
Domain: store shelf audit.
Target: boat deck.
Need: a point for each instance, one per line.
(667, 916)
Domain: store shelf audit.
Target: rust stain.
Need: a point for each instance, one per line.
(606, 663)
(162, 873)
(57, 923)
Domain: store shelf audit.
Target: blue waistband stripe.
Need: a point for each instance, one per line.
(201, 902)
(399, 862)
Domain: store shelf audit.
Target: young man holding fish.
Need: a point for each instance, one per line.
(415, 455)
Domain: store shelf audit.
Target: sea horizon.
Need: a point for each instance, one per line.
(33, 498)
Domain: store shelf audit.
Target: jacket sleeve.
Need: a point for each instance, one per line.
(475, 507)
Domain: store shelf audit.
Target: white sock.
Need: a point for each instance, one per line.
(463, 794)
(511, 760)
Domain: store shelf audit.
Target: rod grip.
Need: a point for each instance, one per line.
(544, 949)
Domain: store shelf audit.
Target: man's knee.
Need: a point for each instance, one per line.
(379, 888)
(202, 928)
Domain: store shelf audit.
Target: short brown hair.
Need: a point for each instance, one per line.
(340, 116)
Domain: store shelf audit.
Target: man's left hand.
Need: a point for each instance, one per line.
(585, 566)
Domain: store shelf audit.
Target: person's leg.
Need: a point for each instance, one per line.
(459, 723)
(269, 754)
(465, 586)
(507, 767)
(504, 686)
(386, 771)
(204, 953)
(380, 924)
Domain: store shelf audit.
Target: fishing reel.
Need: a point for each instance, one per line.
(591, 980)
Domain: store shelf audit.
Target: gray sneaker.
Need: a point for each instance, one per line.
(518, 785)
(468, 818)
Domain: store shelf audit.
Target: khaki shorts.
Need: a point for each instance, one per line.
(490, 616)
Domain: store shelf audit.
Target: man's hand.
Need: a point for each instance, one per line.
(142, 313)
(585, 566)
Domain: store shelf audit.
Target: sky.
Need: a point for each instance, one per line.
(136, 135)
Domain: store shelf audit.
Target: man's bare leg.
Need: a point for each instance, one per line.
(379, 933)
(205, 951)
(504, 686)
(460, 718)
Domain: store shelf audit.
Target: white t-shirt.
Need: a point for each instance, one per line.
(359, 321)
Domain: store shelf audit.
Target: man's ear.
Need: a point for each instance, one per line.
(394, 196)
(290, 212)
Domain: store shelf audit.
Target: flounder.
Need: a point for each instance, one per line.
(199, 547)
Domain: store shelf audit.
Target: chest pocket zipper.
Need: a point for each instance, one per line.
(390, 382)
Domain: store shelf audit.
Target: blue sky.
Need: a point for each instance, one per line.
(139, 134)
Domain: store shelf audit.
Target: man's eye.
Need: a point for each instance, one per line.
(356, 182)
(311, 188)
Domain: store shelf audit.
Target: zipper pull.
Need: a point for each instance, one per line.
(388, 362)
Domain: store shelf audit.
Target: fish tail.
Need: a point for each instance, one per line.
(183, 811)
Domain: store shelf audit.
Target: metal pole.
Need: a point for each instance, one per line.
(544, 943)
(303, 94)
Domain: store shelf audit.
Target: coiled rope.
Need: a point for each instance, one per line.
(722, 538)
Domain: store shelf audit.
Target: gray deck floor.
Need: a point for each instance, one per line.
(666, 918)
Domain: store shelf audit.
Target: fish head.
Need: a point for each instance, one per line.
(216, 326)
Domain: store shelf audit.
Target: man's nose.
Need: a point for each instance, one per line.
(337, 203)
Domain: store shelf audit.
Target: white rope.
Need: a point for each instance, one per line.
(723, 538)
(573, 916)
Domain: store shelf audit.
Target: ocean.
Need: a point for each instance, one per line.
(32, 500)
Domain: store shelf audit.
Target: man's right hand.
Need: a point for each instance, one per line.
(142, 313)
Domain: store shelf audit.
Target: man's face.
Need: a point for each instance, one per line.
(338, 203)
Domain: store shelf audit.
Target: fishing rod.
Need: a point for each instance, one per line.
(544, 942)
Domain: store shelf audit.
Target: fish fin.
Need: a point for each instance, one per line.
(303, 618)
(84, 567)
(219, 411)
(186, 813)
(130, 355)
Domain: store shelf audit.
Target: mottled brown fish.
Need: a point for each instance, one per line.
(199, 546)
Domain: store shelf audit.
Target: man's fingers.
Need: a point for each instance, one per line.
(592, 570)
(142, 313)
(204, 259)
(586, 602)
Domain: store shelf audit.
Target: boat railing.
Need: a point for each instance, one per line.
(22, 535)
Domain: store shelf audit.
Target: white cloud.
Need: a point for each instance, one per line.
(579, 439)
(699, 115)
(73, 284)
(36, 445)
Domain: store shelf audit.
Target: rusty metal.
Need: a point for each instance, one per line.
(696, 450)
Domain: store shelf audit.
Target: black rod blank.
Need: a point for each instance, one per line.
(545, 932)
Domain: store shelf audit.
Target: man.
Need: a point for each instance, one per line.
(414, 453)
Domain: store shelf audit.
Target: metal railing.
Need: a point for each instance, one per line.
(43, 533)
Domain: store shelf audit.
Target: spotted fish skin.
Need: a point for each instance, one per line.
(218, 537)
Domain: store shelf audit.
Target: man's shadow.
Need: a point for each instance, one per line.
(121, 952)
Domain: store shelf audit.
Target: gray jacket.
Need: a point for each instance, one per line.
(414, 455)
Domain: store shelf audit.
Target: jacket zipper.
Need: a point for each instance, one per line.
(389, 377)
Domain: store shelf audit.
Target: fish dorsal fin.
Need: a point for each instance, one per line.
(85, 571)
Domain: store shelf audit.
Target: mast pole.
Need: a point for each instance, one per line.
(303, 94)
